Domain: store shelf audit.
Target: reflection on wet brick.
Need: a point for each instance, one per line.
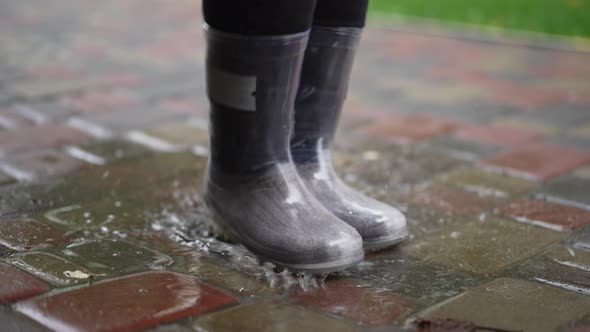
(346, 298)
(27, 234)
(17, 285)
(449, 199)
(126, 304)
(269, 316)
(52, 268)
(539, 161)
(114, 256)
(47, 136)
(546, 214)
(482, 246)
(514, 305)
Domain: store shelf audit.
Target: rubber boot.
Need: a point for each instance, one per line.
(252, 186)
(324, 83)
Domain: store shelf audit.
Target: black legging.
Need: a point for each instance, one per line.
(278, 17)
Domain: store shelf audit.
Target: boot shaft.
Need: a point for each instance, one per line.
(324, 83)
(251, 83)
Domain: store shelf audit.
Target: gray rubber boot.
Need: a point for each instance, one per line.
(324, 83)
(252, 186)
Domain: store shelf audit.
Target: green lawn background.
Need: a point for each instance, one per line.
(564, 17)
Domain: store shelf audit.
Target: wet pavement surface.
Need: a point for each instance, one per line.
(484, 142)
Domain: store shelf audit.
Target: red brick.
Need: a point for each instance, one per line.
(540, 161)
(344, 298)
(497, 135)
(17, 285)
(410, 128)
(27, 234)
(550, 215)
(47, 136)
(126, 304)
(448, 199)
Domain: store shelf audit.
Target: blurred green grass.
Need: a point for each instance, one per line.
(564, 17)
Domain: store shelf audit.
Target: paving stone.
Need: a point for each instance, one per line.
(461, 149)
(486, 184)
(28, 234)
(34, 165)
(482, 247)
(53, 269)
(449, 199)
(567, 190)
(514, 305)
(344, 297)
(539, 161)
(17, 285)
(410, 128)
(15, 322)
(47, 136)
(497, 135)
(269, 316)
(546, 214)
(563, 266)
(126, 304)
(115, 256)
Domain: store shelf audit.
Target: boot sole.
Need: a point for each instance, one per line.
(385, 242)
(225, 232)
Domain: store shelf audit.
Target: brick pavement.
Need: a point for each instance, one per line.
(483, 142)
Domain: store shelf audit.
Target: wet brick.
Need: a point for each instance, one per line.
(409, 129)
(182, 133)
(27, 234)
(569, 190)
(114, 256)
(115, 150)
(482, 246)
(564, 266)
(345, 298)
(461, 149)
(39, 164)
(17, 285)
(34, 138)
(546, 214)
(53, 269)
(449, 199)
(269, 316)
(15, 322)
(487, 184)
(126, 304)
(496, 134)
(539, 161)
(514, 305)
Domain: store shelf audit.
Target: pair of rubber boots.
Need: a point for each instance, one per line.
(270, 184)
